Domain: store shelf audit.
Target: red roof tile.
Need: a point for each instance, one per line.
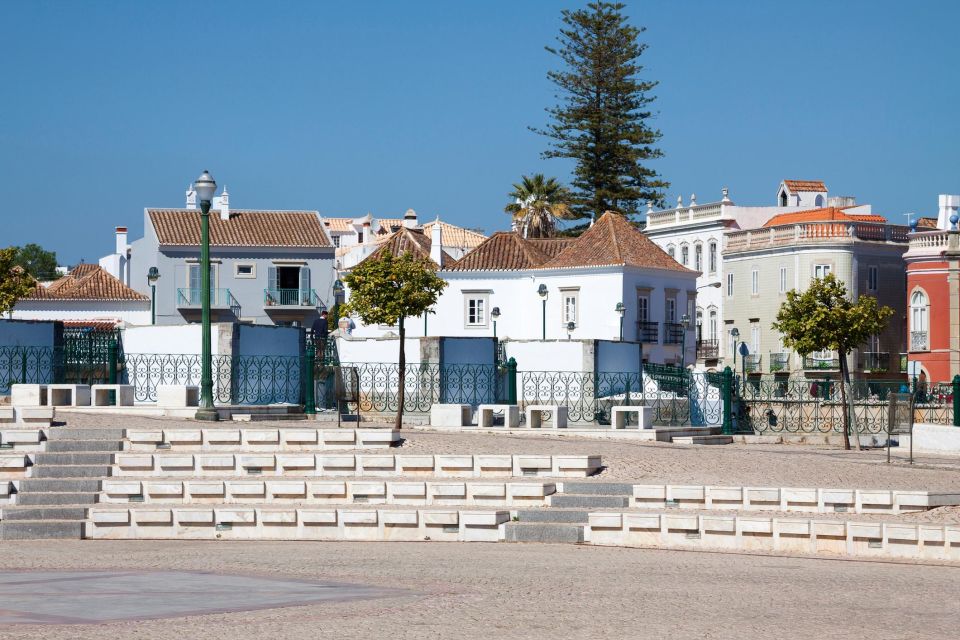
(503, 251)
(86, 282)
(413, 240)
(244, 228)
(805, 185)
(826, 214)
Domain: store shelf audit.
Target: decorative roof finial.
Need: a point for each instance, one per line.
(726, 194)
(649, 206)
(693, 200)
(679, 201)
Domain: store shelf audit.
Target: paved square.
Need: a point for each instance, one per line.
(83, 597)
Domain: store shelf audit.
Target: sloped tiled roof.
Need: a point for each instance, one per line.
(805, 185)
(613, 241)
(503, 251)
(926, 223)
(551, 246)
(86, 282)
(412, 240)
(826, 214)
(244, 228)
(338, 224)
(454, 236)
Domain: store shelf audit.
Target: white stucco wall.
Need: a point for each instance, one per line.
(134, 313)
(173, 339)
(377, 350)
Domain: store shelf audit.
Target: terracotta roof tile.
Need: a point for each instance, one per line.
(454, 236)
(611, 241)
(927, 223)
(338, 224)
(86, 282)
(826, 214)
(412, 240)
(503, 251)
(243, 229)
(805, 185)
(551, 246)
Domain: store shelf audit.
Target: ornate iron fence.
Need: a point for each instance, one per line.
(28, 365)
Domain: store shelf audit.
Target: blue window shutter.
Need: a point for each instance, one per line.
(272, 278)
(305, 285)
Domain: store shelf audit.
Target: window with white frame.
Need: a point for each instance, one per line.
(821, 270)
(670, 311)
(643, 308)
(475, 309)
(873, 277)
(712, 324)
(698, 257)
(713, 257)
(335, 239)
(672, 251)
(729, 285)
(919, 316)
(684, 254)
(571, 306)
(783, 279)
(755, 282)
(244, 270)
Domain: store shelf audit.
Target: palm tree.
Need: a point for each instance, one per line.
(538, 203)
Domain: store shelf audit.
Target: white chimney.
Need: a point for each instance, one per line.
(191, 197)
(410, 219)
(121, 241)
(436, 242)
(224, 204)
(366, 230)
(949, 205)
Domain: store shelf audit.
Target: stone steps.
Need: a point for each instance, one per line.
(544, 532)
(566, 501)
(68, 433)
(703, 440)
(558, 516)
(41, 530)
(598, 488)
(70, 471)
(56, 498)
(73, 458)
(11, 514)
(83, 446)
(35, 485)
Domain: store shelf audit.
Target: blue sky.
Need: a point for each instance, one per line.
(349, 108)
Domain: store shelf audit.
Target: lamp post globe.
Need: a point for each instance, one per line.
(153, 274)
(542, 292)
(205, 186)
(495, 315)
(620, 309)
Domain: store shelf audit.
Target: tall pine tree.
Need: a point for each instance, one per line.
(603, 117)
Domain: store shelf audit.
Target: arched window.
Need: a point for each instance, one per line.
(818, 201)
(713, 326)
(919, 322)
(783, 198)
(684, 255)
(698, 257)
(713, 256)
(672, 251)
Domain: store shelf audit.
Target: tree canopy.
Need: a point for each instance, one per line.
(538, 203)
(603, 120)
(37, 261)
(15, 282)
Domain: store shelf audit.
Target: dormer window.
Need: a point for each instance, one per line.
(783, 197)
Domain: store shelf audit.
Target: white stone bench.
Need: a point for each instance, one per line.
(618, 417)
(511, 415)
(178, 395)
(6, 414)
(450, 415)
(123, 395)
(68, 395)
(41, 416)
(28, 395)
(535, 415)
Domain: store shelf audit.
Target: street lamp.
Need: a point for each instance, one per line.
(494, 314)
(205, 187)
(153, 274)
(338, 290)
(735, 334)
(620, 309)
(570, 327)
(712, 285)
(542, 292)
(685, 320)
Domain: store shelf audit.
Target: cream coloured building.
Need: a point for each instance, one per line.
(787, 252)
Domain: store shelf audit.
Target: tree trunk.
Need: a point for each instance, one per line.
(846, 395)
(401, 378)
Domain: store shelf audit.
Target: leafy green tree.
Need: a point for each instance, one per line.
(389, 290)
(538, 203)
(37, 261)
(15, 282)
(824, 317)
(604, 117)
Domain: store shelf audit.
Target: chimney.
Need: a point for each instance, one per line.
(366, 230)
(949, 206)
(410, 219)
(224, 204)
(191, 197)
(122, 241)
(436, 242)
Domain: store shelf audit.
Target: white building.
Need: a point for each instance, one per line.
(87, 293)
(694, 235)
(564, 288)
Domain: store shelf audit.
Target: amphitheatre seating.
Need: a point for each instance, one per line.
(28, 395)
(6, 414)
(348, 464)
(450, 415)
(14, 466)
(259, 439)
(39, 416)
(325, 492)
(23, 439)
(178, 396)
(511, 415)
(618, 416)
(535, 415)
(68, 395)
(122, 395)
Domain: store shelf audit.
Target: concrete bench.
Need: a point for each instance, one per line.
(535, 415)
(450, 415)
(123, 395)
(68, 395)
(178, 395)
(618, 417)
(28, 395)
(41, 416)
(511, 415)
(6, 414)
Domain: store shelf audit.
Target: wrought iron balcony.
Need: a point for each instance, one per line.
(648, 331)
(876, 361)
(819, 362)
(708, 349)
(219, 299)
(919, 341)
(751, 363)
(779, 362)
(291, 298)
(672, 333)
